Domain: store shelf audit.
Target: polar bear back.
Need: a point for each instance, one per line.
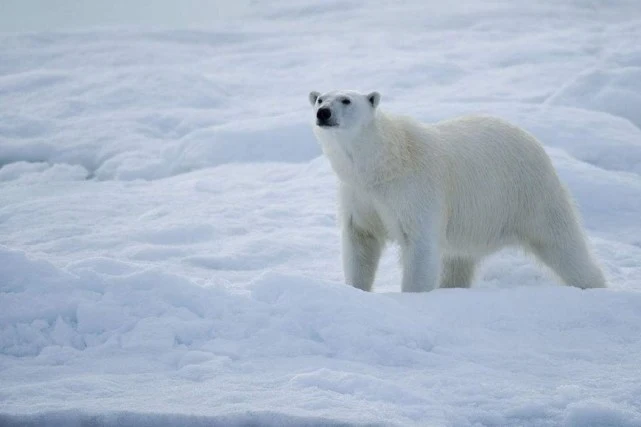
(502, 174)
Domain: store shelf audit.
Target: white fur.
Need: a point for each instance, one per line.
(449, 193)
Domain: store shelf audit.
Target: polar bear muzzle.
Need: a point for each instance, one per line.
(324, 117)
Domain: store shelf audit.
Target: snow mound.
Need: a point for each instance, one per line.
(155, 156)
(337, 345)
(612, 86)
(106, 303)
(599, 413)
(121, 108)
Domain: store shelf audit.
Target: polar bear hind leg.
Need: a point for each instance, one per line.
(561, 245)
(458, 272)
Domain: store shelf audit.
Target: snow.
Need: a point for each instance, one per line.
(169, 253)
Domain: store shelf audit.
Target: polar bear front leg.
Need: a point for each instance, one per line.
(361, 253)
(421, 261)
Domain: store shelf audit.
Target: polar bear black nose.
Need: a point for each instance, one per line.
(323, 114)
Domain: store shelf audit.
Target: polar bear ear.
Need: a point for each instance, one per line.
(313, 96)
(374, 98)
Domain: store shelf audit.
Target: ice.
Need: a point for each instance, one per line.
(169, 253)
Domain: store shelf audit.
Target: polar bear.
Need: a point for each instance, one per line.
(449, 194)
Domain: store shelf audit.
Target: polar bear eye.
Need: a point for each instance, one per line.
(320, 100)
(346, 101)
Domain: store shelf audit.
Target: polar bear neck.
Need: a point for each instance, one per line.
(383, 150)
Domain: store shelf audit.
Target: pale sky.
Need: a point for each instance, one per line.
(54, 15)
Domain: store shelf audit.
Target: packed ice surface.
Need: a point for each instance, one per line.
(169, 253)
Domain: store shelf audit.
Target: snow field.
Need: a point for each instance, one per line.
(169, 253)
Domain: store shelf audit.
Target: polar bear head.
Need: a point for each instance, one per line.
(344, 110)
